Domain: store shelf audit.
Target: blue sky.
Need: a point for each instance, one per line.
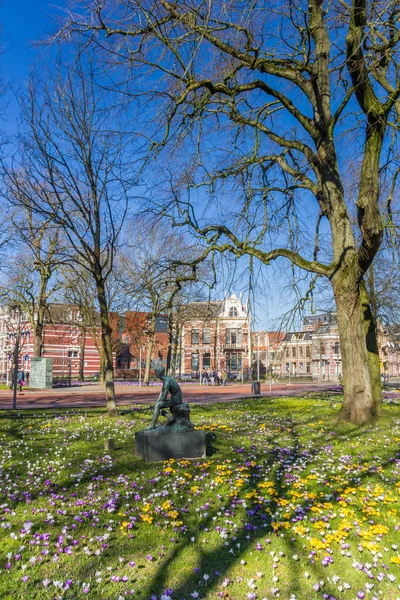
(24, 22)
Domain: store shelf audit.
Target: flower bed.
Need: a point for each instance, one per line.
(286, 505)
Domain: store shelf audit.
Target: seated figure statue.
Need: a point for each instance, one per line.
(179, 419)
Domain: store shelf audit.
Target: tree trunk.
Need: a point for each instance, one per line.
(102, 375)
(82, 354)
(37, 340)
(38, 332)
(107, 348)
(359, 349)
(170, 370)
(175, 350)
(149, 350)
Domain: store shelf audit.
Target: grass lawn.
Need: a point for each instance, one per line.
(287, 505)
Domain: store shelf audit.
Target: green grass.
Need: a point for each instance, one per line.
(287, 504)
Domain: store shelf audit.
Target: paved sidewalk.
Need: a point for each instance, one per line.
(94, 396)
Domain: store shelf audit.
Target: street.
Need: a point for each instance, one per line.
(94, 396)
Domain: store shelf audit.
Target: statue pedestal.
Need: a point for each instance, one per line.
(152, 446)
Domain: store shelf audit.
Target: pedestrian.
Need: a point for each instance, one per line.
(11, 378)
(20, 380)
(215, 377)
(27, 375)
(204, 378)
(224, 376)
(212, 377)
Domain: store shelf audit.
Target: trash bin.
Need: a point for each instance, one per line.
(256, 388)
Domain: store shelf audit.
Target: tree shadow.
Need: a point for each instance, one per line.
(257, 526)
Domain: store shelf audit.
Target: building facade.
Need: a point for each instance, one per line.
(315, 350)
(215, 336)
(267, 348)
(65, 339)
(133, 335)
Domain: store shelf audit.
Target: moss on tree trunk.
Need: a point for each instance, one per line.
(359, 349)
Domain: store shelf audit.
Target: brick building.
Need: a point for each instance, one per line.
(133, 333)
(215, 336)
(65, 340)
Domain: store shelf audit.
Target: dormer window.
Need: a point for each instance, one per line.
(233, 311)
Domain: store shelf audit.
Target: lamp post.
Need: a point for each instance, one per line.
(140, 366)
(16, 352)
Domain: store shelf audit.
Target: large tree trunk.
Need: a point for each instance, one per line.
(107, 348)
(38, 328)
(359, 349)
(37, 340)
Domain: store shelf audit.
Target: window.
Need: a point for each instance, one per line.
(206, 360)
(74, 315)
(72, 353)
(301, 351)
(336, 348)
(287, 352)
(294, 352)
(287, 367)
(234, 362)
(308, 351)
(233, 311)
(206, 335)
(308, 366)
(195, 336)
(301, 367)
(161, 323)
(234, 337)
(195, 361)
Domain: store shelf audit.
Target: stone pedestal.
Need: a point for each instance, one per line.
(152, 446)
(41, 376)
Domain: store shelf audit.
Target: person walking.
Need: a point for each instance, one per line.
(224, 376)
(20, 380)
(204, 378)
(11, 377)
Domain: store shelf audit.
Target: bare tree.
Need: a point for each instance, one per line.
(31, 272)
(78, 289)
(158, 264)
(71, 170)
(274, 104)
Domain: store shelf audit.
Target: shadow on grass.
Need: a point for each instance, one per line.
(257, 523)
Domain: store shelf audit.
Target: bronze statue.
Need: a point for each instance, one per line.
(179, 419)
